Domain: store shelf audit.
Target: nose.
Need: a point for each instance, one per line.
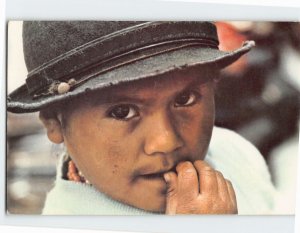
(161, 135)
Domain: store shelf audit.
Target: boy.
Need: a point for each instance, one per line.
(133, 103)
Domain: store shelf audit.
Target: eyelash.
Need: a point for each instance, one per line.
(110, 112)
(195, 94)
(131, 107)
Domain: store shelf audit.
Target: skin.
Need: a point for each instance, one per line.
(143, 143)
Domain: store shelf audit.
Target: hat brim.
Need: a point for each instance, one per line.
(20, 101)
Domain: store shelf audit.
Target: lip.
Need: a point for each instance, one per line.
(158, 174)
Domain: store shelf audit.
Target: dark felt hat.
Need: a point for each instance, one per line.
(68, 58)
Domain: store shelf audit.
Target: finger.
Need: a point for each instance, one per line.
(207, 178)
(171, 195)
(188, 184)
(231, 194)
(222, 187)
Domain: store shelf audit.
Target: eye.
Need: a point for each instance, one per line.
(123, 112)
(187, 98)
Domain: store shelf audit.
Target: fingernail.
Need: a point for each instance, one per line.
(167, 177)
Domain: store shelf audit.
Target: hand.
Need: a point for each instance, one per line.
(199, 189)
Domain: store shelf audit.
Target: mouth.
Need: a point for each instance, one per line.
(158, 174)
(153, 176)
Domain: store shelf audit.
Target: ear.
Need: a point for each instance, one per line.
(53, 126)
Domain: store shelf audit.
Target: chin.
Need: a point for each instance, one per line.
(156, 204)
(152, 203)
(157, 207)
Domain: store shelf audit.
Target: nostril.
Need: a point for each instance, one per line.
(164, 143)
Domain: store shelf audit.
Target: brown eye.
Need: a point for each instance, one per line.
(185, 99)
(123, 112)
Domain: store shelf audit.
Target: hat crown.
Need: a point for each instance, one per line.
(45, 40)
(62, 50)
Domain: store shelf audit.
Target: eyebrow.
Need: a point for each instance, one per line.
(118, 98)
(111, 97)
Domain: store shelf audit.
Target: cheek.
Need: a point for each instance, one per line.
(99, 149)
(196, 126)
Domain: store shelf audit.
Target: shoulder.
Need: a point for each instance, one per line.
(229, 147)
(242, 164)
(229, 142)
(227, 137)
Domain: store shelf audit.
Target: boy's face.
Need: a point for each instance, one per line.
(127, 136)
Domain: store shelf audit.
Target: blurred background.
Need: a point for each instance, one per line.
(258, 97)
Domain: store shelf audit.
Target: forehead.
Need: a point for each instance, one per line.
(171, 81)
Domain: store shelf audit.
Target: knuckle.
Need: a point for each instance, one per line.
(187, 176)
(219, 174)
(171, 191)
(188, 209)
(183, 166)
(171, 188)
(203, 167)
(202, 164)
(207, 172)
(198, 163)
(228, 182)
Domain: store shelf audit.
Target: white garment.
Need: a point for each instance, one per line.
(242, 164)
(237, 159)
